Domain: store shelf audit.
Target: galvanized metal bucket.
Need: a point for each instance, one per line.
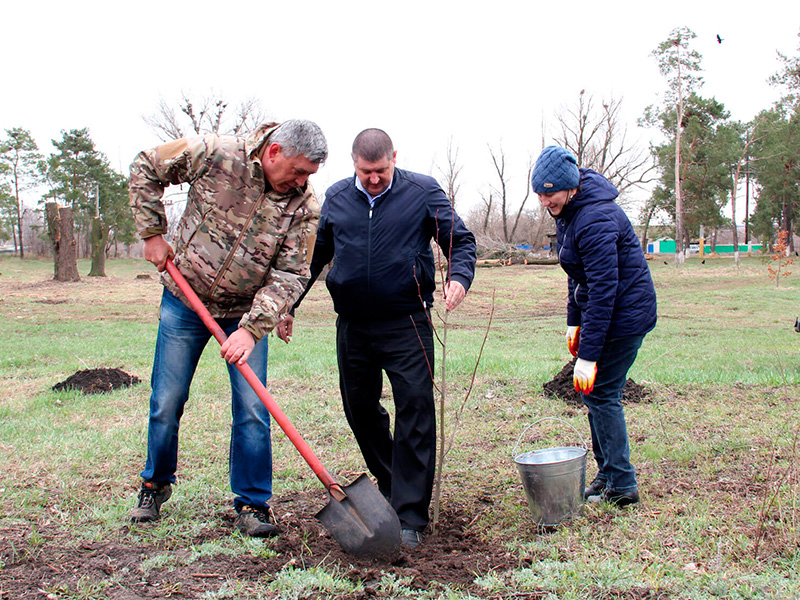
(553, 478)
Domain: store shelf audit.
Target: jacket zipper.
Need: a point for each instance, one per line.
(369, 250)
(235, 246)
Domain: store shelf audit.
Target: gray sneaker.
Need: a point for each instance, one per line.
(151, 497)
(256, 521)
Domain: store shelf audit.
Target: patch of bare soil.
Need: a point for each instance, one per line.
(97, 381)
(562, 386)
(454, 557)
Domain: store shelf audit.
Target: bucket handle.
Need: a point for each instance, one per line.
(536, 422)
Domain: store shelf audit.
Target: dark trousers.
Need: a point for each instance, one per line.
(606, 415)
(403, 462)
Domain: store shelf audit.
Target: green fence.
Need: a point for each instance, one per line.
(728, 248)
(668, 247)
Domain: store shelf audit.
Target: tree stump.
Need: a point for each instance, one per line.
(60, 227)
(99, 239)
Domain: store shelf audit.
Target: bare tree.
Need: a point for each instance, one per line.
(598, 139)
(192, 116)
(499, 162)
(537, 220)
(488, 206)
(451, 173)
(165, 123)
(208, 114)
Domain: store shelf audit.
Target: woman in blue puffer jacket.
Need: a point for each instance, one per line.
(611, 307)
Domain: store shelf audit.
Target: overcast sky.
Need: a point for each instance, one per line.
(479, 73)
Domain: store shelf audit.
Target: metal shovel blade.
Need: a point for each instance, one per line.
(364, 523)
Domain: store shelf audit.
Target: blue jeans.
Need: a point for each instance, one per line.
(182, 336)
(606, 415)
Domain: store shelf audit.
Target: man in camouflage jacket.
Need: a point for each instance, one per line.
(244, 243)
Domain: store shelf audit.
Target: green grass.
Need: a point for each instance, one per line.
(714, 448)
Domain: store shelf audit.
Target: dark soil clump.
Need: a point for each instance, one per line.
(97, 381)
(561, 386)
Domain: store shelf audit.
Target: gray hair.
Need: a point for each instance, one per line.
(298, 136)
(372, 145)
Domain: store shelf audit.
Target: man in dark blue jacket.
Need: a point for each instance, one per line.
(611, 306)
(377, 227)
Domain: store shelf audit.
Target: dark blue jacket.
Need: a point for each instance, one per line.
(383, 263)
(611, 293)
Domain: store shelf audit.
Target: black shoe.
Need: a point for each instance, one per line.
(151, 497)
(256, 521)
(410, 538)
(596, 488)
(618, 499)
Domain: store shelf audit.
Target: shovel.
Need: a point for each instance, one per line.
(357, 515)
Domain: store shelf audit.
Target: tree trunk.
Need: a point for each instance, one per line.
(536, 242)
(99, 238)
(646, 227)
(19, 221)
(60, 228)
(488, 215)
(734, 187)
(788, 226)
(679, 255)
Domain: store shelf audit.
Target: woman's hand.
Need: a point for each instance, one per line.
(583, 375)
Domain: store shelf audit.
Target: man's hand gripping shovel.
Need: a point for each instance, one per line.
(357, 515)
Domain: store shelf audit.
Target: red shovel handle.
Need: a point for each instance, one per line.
(258, 387)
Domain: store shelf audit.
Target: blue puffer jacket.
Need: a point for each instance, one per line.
(383, 263)
(611, 293)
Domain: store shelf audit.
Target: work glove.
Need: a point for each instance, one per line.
(583, 375)
(573, 339)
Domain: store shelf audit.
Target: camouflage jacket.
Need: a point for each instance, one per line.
(245, 249)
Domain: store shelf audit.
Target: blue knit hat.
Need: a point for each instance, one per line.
(556, 170)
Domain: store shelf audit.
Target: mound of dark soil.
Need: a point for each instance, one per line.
(561, 386)
(96, 381)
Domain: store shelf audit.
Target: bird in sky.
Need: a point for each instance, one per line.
(719, 39)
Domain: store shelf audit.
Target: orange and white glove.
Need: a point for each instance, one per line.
(573, 339)
(583, 375)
